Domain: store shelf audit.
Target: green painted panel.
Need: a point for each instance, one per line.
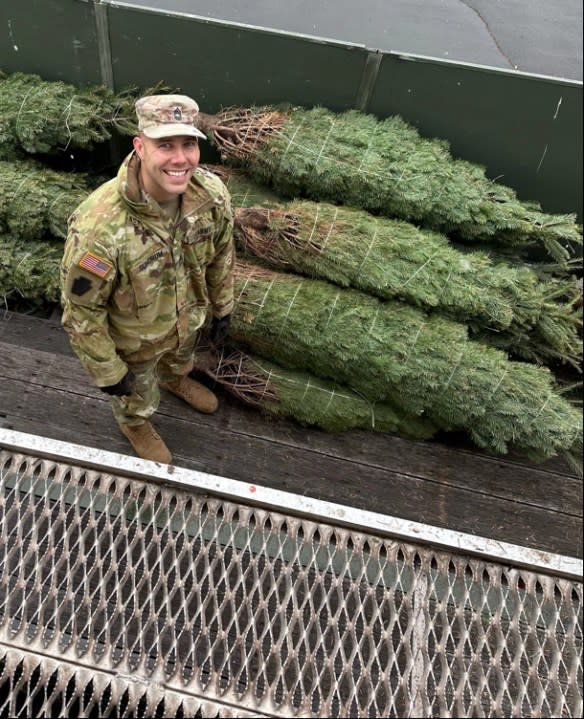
(221, 64)
(526, 130)
(52, 38)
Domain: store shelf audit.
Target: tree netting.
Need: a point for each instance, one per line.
(34, 199)
(509, 305)
(393, 352)
(385, 167)
(29, 270)
(301, 396)
(44, 117)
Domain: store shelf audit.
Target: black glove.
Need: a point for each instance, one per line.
(122, 388)
(219, 330)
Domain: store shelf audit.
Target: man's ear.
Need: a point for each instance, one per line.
(138, 146)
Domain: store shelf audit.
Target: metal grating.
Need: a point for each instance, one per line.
(127, 597)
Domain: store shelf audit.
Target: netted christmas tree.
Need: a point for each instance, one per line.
(244, 192)
(44, 117)
(509, 305)
(29, 270)
(301, 396)
(385, 167)
(34, 199)
(391, 351)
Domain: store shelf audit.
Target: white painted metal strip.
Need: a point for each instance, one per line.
(315, 509)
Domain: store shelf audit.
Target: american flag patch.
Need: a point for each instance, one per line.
(96, 265)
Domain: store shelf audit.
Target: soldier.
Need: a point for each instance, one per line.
(149, 256)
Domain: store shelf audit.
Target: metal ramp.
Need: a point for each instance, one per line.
(133, 589)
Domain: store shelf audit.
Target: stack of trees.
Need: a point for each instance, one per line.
(43, 117)
(510, 306)
(377, 298)
(385, 167)
(390, 351)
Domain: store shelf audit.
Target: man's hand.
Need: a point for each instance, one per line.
(219, 330)
(122, 388)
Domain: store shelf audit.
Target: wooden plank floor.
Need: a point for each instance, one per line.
(446, 483)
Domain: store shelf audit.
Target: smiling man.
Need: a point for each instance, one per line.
(148, 260)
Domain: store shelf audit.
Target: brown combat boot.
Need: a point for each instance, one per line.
(193, 393)
(147, 443)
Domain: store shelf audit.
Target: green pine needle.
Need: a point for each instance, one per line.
(391, 351)
(47, 117)
(35, 199)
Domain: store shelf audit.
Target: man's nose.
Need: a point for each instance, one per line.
(179, 156)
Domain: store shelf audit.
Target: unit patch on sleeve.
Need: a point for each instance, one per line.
(81, 286)
(96, 265)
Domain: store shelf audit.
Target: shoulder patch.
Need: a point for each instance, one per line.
(96, 265)
(80, 286)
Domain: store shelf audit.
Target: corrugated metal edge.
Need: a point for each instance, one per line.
(338, 43)
(231, 23)
(350, 517)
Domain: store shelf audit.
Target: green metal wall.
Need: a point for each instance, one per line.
(525, 129)
(53, 38)
(225, 65)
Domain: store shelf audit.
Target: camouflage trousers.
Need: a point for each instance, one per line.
(165, 366)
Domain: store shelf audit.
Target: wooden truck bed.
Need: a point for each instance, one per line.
(444, 482)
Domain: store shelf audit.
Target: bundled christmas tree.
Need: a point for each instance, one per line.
(391, 351)
(386, 167)
(29, 270)
(303, 397)
(34, 199)
(244, 192)
(509, 305)
(41, 116)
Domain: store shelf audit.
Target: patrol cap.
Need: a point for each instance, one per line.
(167, 115)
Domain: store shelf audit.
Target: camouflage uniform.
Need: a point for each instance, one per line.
(137, 287)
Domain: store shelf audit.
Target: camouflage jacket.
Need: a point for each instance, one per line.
(132, 281)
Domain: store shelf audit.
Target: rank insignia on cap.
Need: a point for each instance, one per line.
(96, 265)
(178, 114)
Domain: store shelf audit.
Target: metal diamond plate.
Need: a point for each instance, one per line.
(124, 597)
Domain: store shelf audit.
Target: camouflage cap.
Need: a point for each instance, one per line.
(167, 115)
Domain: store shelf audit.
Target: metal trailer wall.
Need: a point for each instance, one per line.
(525, 129)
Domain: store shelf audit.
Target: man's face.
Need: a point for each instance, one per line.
(167, 164)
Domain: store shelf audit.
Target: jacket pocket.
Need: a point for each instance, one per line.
(154, 290)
